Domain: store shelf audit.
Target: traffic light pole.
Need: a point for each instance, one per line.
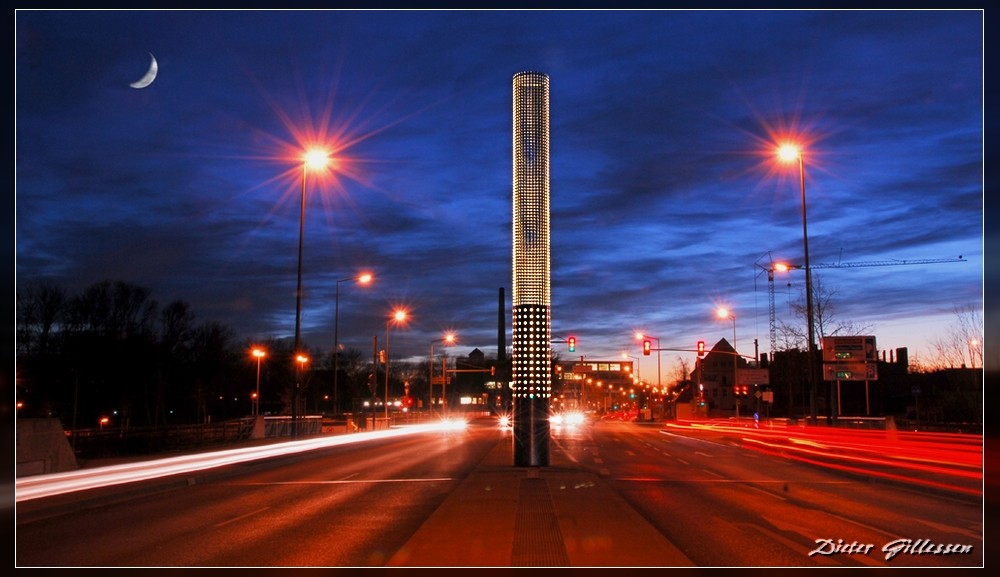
(696, 350)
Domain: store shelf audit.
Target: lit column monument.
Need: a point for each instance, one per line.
(531, 357)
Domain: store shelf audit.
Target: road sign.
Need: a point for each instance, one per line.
(753, 377)
(850, 372)
(849, 349)
(768, 396)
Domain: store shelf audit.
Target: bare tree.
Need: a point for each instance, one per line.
(962, 345)
(682, 372)
(40, 306)
(794, 335)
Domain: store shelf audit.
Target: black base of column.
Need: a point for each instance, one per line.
(531, 432)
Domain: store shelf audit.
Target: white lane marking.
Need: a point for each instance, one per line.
(244, 516)
(768, 493)
(345, 481)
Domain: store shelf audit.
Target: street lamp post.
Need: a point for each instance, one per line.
(638, 371)
(259, 354)
(449, 339)
(313, 159)
(790, 153)
(724, 313)
(398, 316)
(363, 279)
(300, 363)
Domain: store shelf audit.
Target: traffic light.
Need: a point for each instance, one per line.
(646, 347)
(701, 348)
(381, 356)
(572, 344)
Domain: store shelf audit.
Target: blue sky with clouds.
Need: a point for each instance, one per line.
(666, 195)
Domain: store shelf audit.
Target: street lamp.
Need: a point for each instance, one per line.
(362, 279)
(449, 339)
(641, 337)
(724, 313)
(259, 354)
(399, 315)
(314, 159)
(638, 371)
(300, 361)
(791, 153)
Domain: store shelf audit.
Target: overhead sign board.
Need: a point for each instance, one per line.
(849, 349)
(753, 377)
(850, 372)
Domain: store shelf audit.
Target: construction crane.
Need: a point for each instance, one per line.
(782, 267)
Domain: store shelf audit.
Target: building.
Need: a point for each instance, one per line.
(714, 376)
(598, 386)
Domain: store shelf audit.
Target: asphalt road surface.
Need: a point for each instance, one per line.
(356, 505)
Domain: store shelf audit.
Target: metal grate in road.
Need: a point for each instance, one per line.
(538, 542)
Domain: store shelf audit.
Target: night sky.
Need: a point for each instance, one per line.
(667, 198)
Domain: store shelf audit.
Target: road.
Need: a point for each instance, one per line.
(355, 505)
(351, 505)
(725, 505)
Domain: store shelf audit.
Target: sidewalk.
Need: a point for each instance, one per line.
(507, 516)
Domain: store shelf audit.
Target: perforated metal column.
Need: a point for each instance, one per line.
(531, 357)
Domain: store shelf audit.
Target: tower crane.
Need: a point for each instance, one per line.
(782, 267)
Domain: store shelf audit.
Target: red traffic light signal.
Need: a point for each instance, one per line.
(572, 344)
(701, 348)
(646, 347)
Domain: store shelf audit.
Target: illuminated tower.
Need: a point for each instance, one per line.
(530, 331)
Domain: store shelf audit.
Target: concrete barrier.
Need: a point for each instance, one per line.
(42, 448)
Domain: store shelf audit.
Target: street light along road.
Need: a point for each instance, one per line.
(790, 153)
(313, 159)
(258, 354)
(724, 313)
(399, 316)
(362, 279)
(449, 339)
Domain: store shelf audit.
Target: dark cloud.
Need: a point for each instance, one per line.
(666, 197)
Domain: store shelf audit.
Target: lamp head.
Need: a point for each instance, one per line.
(316, 158)
(789, 152)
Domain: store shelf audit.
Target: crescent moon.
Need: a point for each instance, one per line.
(150, 74)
